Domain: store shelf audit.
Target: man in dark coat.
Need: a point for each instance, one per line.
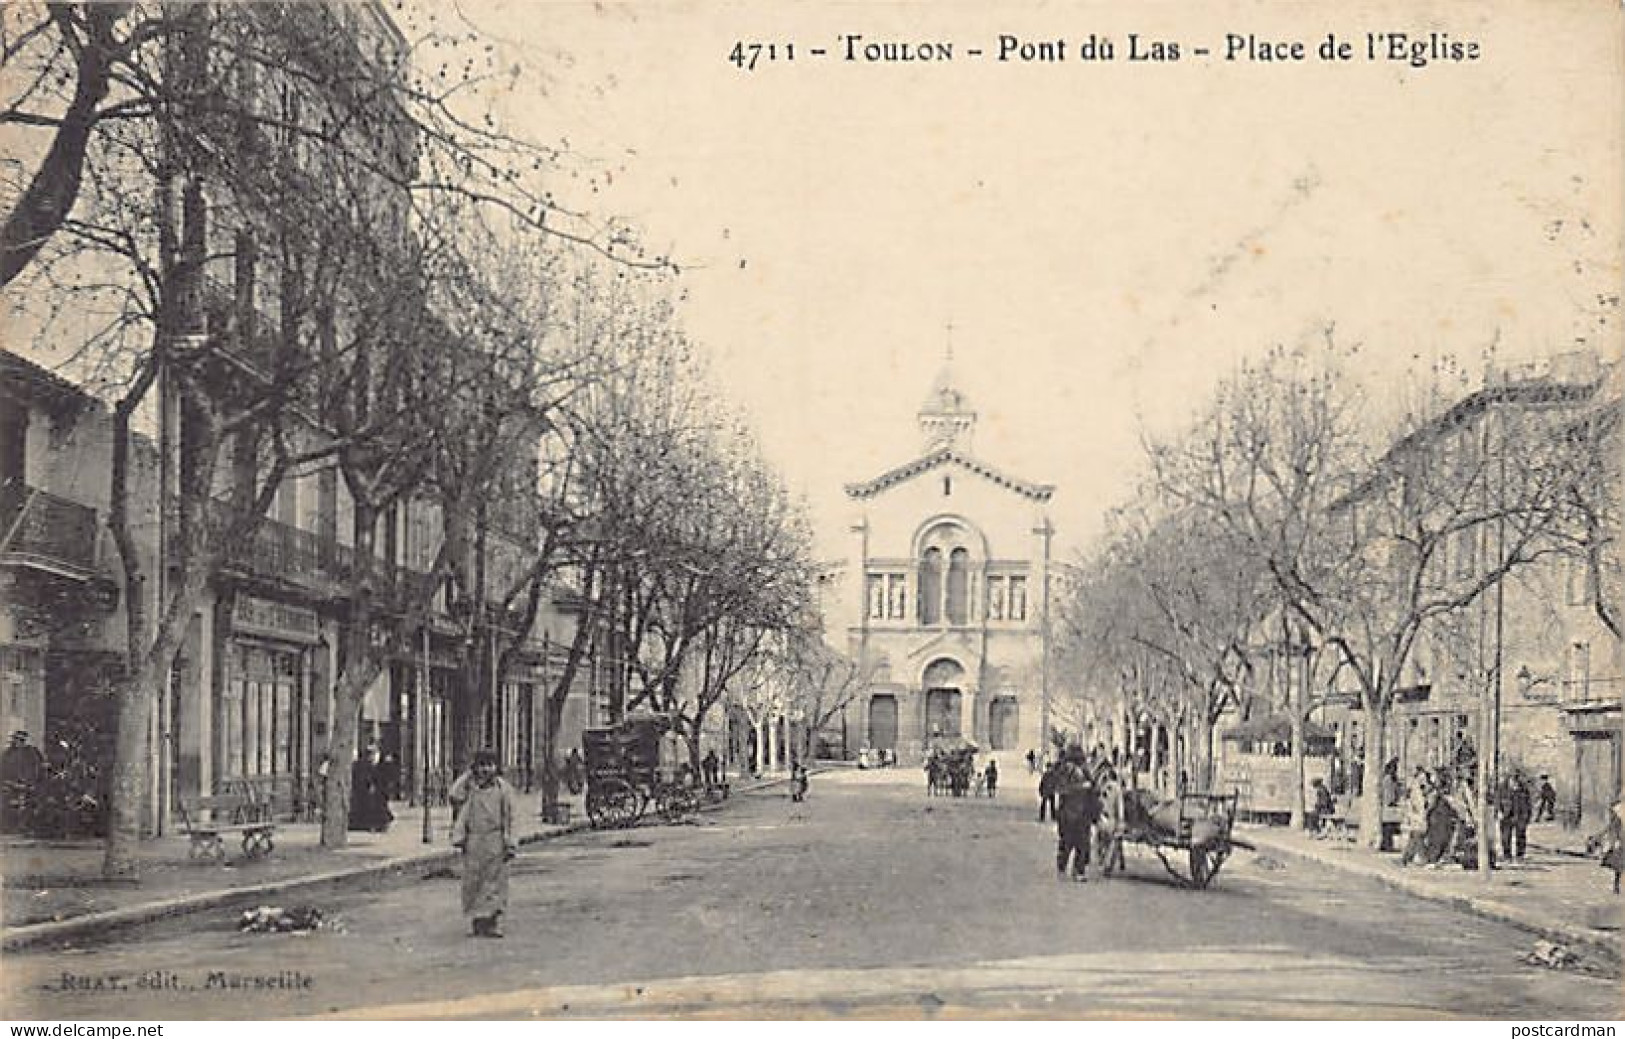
(1547, 806)
(1046, 793)
(22, 768)
(992, 777)
(1516, 807)
(1077, 809)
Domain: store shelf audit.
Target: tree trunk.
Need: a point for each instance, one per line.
(1376, 724)
(475, 702)
(1202, 751)
(358, 673)
(136, 694)
(1158, 781)
(135, 700)
(553, 716)
(692, 738)
(1297, 694)
(556, 697)
(358, 667)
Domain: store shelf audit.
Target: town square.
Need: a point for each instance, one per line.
(714, 511)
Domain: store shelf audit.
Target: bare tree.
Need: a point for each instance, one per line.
(78, 72)
(825, 682)
(1367, 554)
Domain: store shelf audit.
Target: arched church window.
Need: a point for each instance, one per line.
(931, 586)
(958, 586)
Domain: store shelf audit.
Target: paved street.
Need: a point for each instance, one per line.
(869, 900)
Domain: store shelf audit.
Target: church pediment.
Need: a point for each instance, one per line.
(949, 457)
(956, 642)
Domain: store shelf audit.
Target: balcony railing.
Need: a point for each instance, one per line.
(1591, 690)
(52, 531)
(283, 551)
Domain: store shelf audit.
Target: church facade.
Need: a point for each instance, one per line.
(943, 596)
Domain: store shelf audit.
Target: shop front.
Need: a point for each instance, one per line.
(1595, 729)
(263, 707)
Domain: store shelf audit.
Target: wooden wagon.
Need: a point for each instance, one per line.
(1195, 826)
(626, 776)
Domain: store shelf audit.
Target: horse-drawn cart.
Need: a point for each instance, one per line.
(1197, 825)
(633, 766)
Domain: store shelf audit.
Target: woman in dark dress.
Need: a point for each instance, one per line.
(1442, 823)
(369, 807)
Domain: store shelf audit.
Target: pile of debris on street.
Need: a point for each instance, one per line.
(276, 920)
(1552, 955)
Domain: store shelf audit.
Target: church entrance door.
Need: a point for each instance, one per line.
(883, 722)
(1004, 719)
(942, 712)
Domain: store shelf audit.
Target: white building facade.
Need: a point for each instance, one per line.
(943, 596)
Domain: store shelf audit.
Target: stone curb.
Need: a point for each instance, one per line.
(1489, 908)
(130, 916)
(54, 931)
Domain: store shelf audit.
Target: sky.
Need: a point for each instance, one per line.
(1105, 239)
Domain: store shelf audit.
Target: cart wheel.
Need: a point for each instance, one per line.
(640, 804)
(676, 804)
(1203, 865)
(613, 804)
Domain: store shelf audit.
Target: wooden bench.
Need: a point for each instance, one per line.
(271, 797)
(1344, 822)
(208, 821)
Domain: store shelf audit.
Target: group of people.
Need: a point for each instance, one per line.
(1439, 814)
(955, 773)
